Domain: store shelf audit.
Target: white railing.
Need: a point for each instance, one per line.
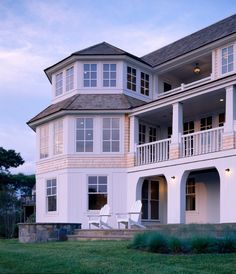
(202, 142)
(153, 152)
(186, 86)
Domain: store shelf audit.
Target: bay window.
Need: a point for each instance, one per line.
(43, 141)
(84, 135)
(90, 75)
(109, 75)
(58, 137)
(111, 135)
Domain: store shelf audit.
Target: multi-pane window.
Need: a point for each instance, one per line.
(142, 134)
(58, 137)
(111, 135)
(90, 75)
(227, 59)
(109, 75)
(97, 192)
(152, 134)
(59, 83)
(206, 123)
(69, 78)
(84, 135)
(43, 141)
(221, 119)
(189, 127)
(51, 195)
(131, 78)
(190, 194)
(150, 200)
(144, 85)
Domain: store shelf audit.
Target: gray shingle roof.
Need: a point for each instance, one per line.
(91, 102)
(191, 42)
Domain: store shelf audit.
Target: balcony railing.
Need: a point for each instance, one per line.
(153, 152)
(202, 142)
(186, 86)
(28, 200)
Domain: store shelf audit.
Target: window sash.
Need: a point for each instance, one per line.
(59, 83)
(90, 75)
(144, 84)
(97, 192)
(131, 78)
(69, 78)
(111, 135)
(58, 137)
(227, 59)
(51, 195)
(84, 134)
(191, 195)
(44, 139)
(109, 75)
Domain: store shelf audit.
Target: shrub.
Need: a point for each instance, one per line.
(176, 245)
(226, 245)
(203, 245)
(157, 243)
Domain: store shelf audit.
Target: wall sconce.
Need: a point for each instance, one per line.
(227, 170)
(173, 178)
(196, 69)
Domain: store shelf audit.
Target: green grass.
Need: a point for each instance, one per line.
(104, 257)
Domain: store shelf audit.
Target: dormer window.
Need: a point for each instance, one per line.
(69, 78)
(227, 58)
(131, 78)
(90, 75)
(109, 75)
(144, 85)
(59, 83)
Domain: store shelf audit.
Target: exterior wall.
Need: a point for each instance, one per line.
(72, 195)
(207, 200)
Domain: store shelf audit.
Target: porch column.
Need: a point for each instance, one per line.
(177, 130)
(227, 192)
(176, 197)
(230, 118)
(133, 139)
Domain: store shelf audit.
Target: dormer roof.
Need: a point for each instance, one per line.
(192, 42)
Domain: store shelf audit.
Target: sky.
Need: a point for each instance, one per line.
(36, 34)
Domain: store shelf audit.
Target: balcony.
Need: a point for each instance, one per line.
(28, 200)
(193, 144)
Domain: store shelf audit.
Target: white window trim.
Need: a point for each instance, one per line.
(220, 61)
(50, 213)
(121, 129)
(109, 63)
(108, 191)
(94, 134)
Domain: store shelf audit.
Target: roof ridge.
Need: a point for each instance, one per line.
(72, 101)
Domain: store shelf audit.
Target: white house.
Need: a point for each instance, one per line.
(160, 128)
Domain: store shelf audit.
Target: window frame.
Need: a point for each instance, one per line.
(69, 79)
(97, 192)
(90, 78)
(84, 129)
(57, 133)
(61, 84)
(110, 130)
(46, 141)
(144, 90)
(190, 194)
(133, 78)
(51, 195)
(109, 78)
(227, 65)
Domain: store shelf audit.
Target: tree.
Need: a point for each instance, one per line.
(11, 187)
(9, 158)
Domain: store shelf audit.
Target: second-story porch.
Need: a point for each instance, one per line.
(188, 126)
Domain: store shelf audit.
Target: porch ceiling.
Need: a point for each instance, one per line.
(194, 107)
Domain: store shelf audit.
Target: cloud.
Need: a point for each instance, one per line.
(22, 140)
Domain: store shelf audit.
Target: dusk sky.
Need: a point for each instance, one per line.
(36, 34)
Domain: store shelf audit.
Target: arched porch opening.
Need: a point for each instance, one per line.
(152, 191)
(201, 196)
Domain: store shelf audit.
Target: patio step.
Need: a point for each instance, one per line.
(103, 234)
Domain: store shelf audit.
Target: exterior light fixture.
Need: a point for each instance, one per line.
(221, 100)
(197, 69)
(173, 177)
(227, 170)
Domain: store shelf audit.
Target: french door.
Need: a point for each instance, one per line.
(150, 200)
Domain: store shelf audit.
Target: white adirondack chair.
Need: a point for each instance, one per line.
(100, 220)
(131, 218)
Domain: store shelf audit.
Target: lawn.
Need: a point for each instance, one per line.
(104, 257)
